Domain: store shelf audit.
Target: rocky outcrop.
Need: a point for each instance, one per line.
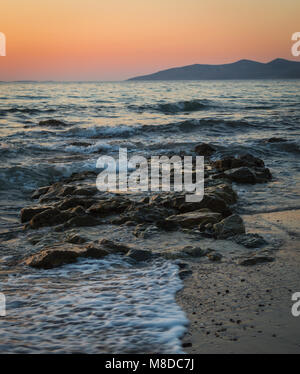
(204, 149)
(230, 226)
(195, 218)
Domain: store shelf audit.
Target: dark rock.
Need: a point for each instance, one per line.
(81, 221)
(52, 123)
(28, 213)
(250, 240)
(184, 274)
(39, 192)
(95, 251)
(214, 256)
(241, 175)
(76, 239)
(49, 217)
(81, 144)
(275, 140)
(109, 207)
(256, 260)
(204, 149)
(194, 218)
(139, 254)
(230, 226)
(114, 246)
(246, 160)
(59, 255)
(73, 202)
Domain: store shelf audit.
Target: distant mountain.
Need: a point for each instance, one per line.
(243, 69)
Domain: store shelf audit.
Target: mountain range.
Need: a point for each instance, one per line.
(243, 69)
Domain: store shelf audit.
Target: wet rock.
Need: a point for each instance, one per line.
(108, 207)
(256, 260)
(73, 202)
(204, 149)
(95, 251)
(224, 191)
(184, 274)
(143, 231)
(214, 256)
(230, 226)
(192, 219)
(59, 255)
(77, 211)
(113, 246)
(246, 160)
(85, 191)
(139, 254)
(241, 175)
(209, 201)
(52, 123)
(28, 213)
(275, 140)
(250, 240)
(56, 256)
(39, 192)
(142, 214)
(82, 221)
(49, 217)
(192, 251)
(81, 144)
(76, 239)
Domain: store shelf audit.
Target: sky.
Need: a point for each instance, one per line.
(118, 39)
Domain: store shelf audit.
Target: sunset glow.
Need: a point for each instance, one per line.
(117, 39)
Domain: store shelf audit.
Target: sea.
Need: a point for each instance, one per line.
(112, 305)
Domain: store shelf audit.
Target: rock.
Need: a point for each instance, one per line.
(109, 207)
(192, 251)
(184, 274)
(28, 213)
(241, 175)
(113, 246)
(275, 140)
(256, 260)
(81, 144)
(224, 191)
(246, 160)
(192, 219)
(81, 221)
(39, 192)
(139, 254)
(149, 214)
(59, 255)
(85, 191)
(95, 251)
(73, 202)
(250, 240)
(214, 256)
(49, 217)
(204, 149)
(76, 239)
(230, 226)
(52, 123)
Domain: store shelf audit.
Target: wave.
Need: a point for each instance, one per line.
(177, 107)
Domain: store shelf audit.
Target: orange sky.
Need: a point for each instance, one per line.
(116, 39)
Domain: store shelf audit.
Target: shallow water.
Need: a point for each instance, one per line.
(112, 305)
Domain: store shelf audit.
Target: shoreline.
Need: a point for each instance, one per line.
(235, 309)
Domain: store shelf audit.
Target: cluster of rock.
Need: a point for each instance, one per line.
(66, 204)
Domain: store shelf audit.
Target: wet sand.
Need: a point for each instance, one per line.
(247, 309)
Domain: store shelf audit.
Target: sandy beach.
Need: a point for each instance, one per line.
(246, 309)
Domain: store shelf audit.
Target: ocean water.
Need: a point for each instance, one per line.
(112, 305)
